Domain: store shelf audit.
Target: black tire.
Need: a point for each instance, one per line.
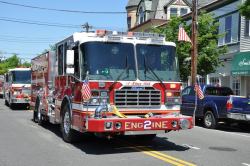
(209, 120)
(68, 134)
(146, 137)
(35, 118)
(12, 106)
(6, 102)
(38, 117)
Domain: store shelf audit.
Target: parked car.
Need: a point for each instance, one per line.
(238, 108)
(211, 109)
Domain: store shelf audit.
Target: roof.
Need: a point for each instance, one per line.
(187, 2)
(202, 3)
(20, 69)
(133, 3)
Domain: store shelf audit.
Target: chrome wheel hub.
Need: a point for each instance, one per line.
(66, 123)
(208, 120)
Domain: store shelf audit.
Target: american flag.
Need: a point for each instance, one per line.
(182, 35)
(197, 89)
(86, 92)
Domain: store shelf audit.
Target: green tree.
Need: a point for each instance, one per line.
(12, 62)
(9, 63)
(245, 9)
(51, 48)
(208, 50)
(26, 64)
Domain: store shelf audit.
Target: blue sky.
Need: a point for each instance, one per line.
(30, 40)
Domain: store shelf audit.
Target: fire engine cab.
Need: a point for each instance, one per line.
(132, 80)
(17, 87)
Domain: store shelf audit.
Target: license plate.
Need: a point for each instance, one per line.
(248, 117)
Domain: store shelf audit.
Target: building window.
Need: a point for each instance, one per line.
(183, 11)
(141, 16)
(129, 22)
(247, 27)
(214, 81)
(202, 80)
(229, 25)
(173, 12)
(228, 29)
(236, 85)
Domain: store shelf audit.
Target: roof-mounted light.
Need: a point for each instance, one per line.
(101, 32)
(130, 34)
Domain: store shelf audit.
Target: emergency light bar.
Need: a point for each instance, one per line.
(116, 36)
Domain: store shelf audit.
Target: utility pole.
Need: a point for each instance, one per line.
(194, 43)
(86, 26)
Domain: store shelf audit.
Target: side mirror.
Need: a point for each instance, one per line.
(70, 62)
(70, 57)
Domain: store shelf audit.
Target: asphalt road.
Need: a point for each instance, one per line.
(25, 143)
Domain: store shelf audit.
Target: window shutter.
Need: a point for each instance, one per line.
(221, 31)
(247, 27)
(235, 27)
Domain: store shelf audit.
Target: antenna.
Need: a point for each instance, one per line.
(87, 26)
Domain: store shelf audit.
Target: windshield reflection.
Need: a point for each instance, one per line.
(161, 61)
(21, 77)
(106, 61)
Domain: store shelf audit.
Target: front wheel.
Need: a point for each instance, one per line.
(69, 135)
(209, 120)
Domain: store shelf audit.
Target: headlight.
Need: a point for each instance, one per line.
(16, 93)
(104, 94)
(94, 101)
(184, 124)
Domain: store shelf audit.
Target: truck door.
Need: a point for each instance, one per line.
(188, 101)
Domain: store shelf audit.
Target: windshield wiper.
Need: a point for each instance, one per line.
(146, 67)
(120, 75)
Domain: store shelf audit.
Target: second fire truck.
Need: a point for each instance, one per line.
(17, 87)
(132, 80)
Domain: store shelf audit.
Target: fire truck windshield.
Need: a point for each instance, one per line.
(160, 59)
(108, 60)
(21, 77)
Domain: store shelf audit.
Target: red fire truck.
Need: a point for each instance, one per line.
(17, 87)
(132, 80)
(1, 85)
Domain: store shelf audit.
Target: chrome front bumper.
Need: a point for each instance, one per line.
(20, 101)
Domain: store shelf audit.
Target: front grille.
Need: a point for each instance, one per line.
(146, 97)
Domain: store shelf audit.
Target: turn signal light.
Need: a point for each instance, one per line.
(169, 94)
(229, 105)
(172, 86)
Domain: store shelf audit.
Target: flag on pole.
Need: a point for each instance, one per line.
(182, 35)
(197, 89)
(86, 92)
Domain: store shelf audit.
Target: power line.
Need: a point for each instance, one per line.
(24, 42)
(29, 38)
(84, 12)
(50, 24)
(62, 10)
(38, 23)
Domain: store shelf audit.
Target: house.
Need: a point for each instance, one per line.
(235, 72)
(142, 15)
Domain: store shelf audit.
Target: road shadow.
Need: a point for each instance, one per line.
(230, 127)
(235, 127)
(91, 144)
(20, 107)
